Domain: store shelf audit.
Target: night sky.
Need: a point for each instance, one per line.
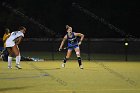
(47, 18)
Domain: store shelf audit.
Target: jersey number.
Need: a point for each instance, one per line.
(15, 33)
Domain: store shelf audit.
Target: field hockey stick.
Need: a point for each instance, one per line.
(64, 48)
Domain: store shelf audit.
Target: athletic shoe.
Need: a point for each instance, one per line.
(81, 67)
(18, 67)
(63, 65)
(9, 67)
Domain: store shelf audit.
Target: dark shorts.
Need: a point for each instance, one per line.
(72, 47)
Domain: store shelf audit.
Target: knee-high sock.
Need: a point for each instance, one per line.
(18, 60)
(65, 60)
(79, 61)
(9, 61)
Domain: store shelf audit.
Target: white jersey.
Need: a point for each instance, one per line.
(10, 41)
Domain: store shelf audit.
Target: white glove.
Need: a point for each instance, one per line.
(80, 43)
(60, 49)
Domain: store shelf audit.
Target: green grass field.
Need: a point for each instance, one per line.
(49, 77)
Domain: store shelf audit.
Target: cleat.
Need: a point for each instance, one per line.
(9, 67)
(63, 65)
(81, 67)
(18, 67)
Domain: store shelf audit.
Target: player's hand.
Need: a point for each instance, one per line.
(60, 49)
(80, 43)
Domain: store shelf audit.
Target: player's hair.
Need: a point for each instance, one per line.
(67, 26)
(22, 28)
(7, 30)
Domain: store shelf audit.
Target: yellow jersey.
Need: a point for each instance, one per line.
(5, 36)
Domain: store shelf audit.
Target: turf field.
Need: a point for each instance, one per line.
(49, 77)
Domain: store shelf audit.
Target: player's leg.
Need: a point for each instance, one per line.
(9, 49)
(77, 51)
(16, 51)
(5, 54)
(67, 57)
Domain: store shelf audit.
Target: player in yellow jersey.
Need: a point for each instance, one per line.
(4, 53)
(5, 36)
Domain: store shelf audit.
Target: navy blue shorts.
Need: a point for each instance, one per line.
(72, 47)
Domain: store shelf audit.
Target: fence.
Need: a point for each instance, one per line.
(91, 49)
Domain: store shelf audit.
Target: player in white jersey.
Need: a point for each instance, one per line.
(12, 46)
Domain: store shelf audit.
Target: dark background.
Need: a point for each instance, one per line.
(55, 14)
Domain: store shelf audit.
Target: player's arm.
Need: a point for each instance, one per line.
(18, 40)
(5, 37)
(81, 37)
(62, 43)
